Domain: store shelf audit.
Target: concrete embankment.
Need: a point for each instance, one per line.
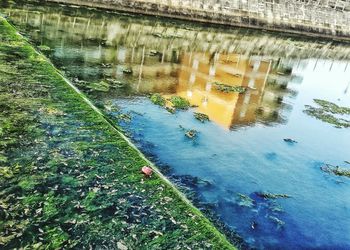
(69, 179)
(327, 19)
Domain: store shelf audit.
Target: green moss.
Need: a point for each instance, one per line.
(158, 99)
(70, 179)
(56, 238)
(179, 102)
(228, 89)
(27, 184)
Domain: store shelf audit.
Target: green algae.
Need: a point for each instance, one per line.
(277, 221)
(179, 102)
(329, 112)
(229, 89)
(201, 117)
(336, 170)
(158, 99)
(99, 86)
(44, 48)
(266, 195)
(244, 201)
(69, 179)
(176, 102)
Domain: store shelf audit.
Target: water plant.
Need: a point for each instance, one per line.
(244, 200)
(179, 102)
(158, 99)
(228, 89)
(330, 113)
(267, 195)
(99, 86)
(336, 170)
(201, 117)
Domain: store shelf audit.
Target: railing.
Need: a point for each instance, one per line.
(327, 17)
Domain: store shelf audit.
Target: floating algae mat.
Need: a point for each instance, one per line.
(263, 154)
(68, 179)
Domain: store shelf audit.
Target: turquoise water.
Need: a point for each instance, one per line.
(254, 159)
(241, 151)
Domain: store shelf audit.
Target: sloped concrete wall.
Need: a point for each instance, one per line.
(322, 18)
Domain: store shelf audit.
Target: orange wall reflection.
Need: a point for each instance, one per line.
(198, 72)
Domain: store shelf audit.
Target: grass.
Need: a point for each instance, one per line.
(68, 179)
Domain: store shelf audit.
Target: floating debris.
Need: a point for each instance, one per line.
(347, 162)
(179, 102)
(228, 89)
(291, 141)
(158, 99)
(271, 196)
(244, 200)
(191, 133)
(201, 117)
(253, 225)
(329, 112)
(336, 170)
(147, 170)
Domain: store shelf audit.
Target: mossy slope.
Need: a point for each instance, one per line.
(68, 179)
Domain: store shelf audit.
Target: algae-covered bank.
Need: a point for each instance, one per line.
(68, 179)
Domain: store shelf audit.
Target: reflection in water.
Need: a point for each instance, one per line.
(198, 72)
(170, 60)
(242, 151)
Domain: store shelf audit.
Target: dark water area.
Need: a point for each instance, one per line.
(258, 164)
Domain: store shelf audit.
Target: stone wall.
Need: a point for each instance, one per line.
(321, 18)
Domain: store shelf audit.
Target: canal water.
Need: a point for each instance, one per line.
(258, 165)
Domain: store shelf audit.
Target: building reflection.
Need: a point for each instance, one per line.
(199, 71)
(166, 59)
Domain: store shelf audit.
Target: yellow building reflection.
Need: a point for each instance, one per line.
(199, 71)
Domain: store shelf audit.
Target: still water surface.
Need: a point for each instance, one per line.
(241, 151)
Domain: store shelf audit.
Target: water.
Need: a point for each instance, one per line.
(241, 151)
